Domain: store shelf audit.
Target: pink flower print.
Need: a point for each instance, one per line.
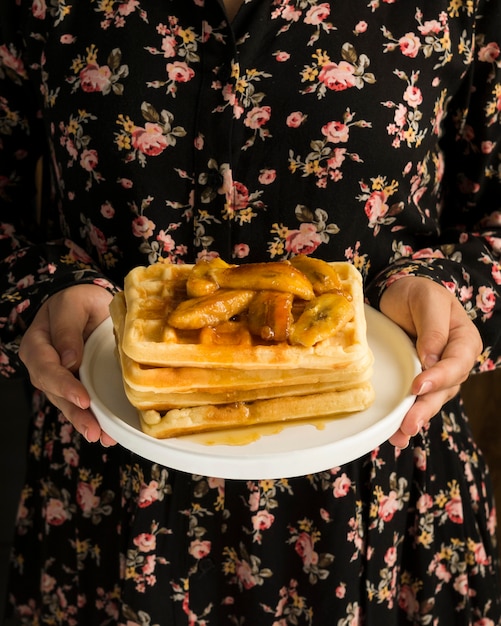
(149, 567)
(409, 45)
(424, 503)
(388, 505)
(480, 554)
(149, 140)
(89, 160)
(317, 14)
(295, 119)
(107, 210)
(71, 457)
(454, 509)
(98, 239)
(179, 72)
(304, 548)
(95, 78)
(244, 574)
(39, 9)
(145, 542)
(267, 176)
(8, 60)
(361, 27)
(126, 183)
(407, 600)
(376, 207)
(86, 497)
(238, 197)
(303, 241)
(341, 591)
(341, 486)
(257, 117)
(486, 300)
(169, 46)
(337, 77)
(336, 132)
(262, 520)
(290, 14)
(142, 227)
(281, 56)
(254, 499)
(390, 558)
(48, 583)
(431, 26)
(461, 584)
(168, 243)
(67, 39)
(199, 549)
(413, 96)
(420, 458)
(489, 53)
(55, 513)
(240, 251)
(148, 494)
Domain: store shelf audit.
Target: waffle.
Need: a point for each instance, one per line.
(225, 374)
(153, 292)
(177, 422)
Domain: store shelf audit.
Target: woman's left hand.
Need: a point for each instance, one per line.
(447, 344)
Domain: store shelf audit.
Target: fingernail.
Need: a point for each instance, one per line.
(86, 434)
(430, 360)
(105, 445)
(425, 388)
(68, 359)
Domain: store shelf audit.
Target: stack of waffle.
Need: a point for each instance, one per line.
(213, 346)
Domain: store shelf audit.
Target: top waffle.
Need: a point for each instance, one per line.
(162, 329)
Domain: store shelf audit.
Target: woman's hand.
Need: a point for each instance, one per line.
(52, 349)
(447, 344)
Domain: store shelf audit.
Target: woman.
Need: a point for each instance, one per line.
(365, 132)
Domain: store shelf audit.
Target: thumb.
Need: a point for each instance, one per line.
(73, 314)
(432, 316)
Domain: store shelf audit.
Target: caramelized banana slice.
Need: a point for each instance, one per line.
(322, 276)
(202, 278)
(322, 318)
(273, 276)
(210, 310)
(270, 316)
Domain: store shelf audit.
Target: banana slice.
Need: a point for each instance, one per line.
(270, 315)
(322, 318)
(273, 276)
(322, 276)
(210, 310)
(202, 278)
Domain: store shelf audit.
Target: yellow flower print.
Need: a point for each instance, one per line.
(266, 485)
(454, 6)
(309, 74)
(187, 36)
(425, 538)
(321, 57)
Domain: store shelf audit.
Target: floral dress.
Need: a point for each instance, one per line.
(366, 131)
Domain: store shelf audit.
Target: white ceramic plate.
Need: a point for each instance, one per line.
(297, 450)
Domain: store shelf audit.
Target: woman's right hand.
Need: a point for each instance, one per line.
(52, 349)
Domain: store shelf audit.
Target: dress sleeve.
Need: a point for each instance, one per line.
(466, 259)
(33, 265)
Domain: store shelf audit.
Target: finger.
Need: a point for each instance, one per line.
(424, 409)
(82, 420)
(432, 329)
